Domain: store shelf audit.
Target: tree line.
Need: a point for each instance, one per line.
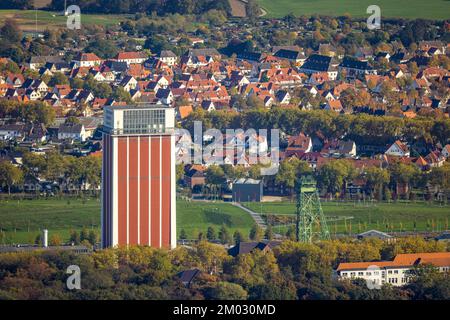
(161, 7)
(291, 271)
(69, 173)
(362, 128)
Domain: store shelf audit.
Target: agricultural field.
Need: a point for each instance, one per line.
(51, 20)
(21, 221)
(411, 9)
(350, 217)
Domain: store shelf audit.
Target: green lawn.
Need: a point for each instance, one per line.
(194, 217)
(21, 221)
(47, 19)
(400, 215)
(431, 9)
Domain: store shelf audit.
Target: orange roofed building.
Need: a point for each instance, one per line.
(396, 272)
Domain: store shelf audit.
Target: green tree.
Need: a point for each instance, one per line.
(269, 233)
(376, 180)
(10, 175)
(290, 172)
(211, 234)
(121, 95)
(252, 9)
(93, 237)
(84, 235)
(11, 31)
(238, 237)
(225, 291)
(55, 240)
(224, 235)
(183, 235)
(333, 175)
(58, 79)
(255, 233)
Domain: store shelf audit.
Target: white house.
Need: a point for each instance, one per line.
(11, 131)
(73, 132)
(87, 60)
(131, 57)
(168, 57)
(396, 272)
(129, 83)
(398, 149)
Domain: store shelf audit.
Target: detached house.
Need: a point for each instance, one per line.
(283, 97)
(339, 148)
(298, 145)
(36, 62)
(195, 176)
(168, 57)
(87, 60)
(129, 83)
(165, 96)
(131, 57)
(37, 85)
(334, 105)
(12, 131)
(72, 132)
(398, 149)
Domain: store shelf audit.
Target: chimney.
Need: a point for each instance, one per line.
(45, 238)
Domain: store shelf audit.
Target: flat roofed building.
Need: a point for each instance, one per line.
(138, 176)
(246, 190)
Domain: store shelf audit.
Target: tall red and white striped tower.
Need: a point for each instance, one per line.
(138, 176)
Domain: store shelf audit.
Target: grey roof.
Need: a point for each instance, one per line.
(203, 52)
(289, 54)
(275, 49)
(117, 66)
(317, 62)
(374, 233)
(252, 56)
(45, 59)
(163, 93)
(187, 276)
(444, 236)
(353, 63)
(167, 54)
(247, 247)
(247, 181)
(12, 127)
(70, 128)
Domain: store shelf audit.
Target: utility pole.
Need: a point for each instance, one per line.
(35, 19)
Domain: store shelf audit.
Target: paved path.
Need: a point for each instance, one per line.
(259, 221)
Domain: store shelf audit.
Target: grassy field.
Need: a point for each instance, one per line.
(401, 215)
(431, 9)
(48, 20)
(21, 221)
